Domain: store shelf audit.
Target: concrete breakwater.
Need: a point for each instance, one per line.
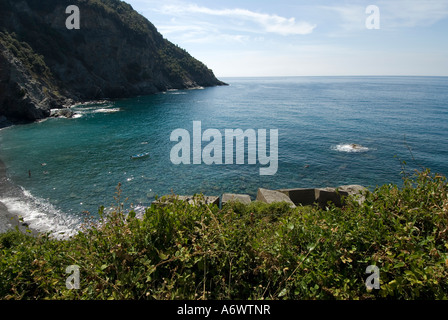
(294, 197)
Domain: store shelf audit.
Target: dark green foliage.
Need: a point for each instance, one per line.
(180, 63)
(255, 251)
(32, 61)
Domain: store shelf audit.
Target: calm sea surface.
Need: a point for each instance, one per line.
(76, 164)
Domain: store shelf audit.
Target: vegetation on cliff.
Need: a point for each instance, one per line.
(22, 51)
(255, 251)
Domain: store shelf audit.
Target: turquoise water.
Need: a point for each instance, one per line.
(76, 164)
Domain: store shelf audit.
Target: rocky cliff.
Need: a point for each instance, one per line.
(116, 53)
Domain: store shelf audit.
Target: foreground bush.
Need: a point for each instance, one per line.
(255, 251)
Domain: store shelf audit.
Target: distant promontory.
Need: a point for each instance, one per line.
(116, 53)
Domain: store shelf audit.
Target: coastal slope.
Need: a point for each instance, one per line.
(116, 53)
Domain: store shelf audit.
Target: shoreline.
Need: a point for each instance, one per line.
(8, 220)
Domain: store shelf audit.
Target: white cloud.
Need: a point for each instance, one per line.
(199, 33)
(270, 23)
(245, 42)
(314, 62)
(353, 16)
(394, 14)
(169, 29)
(414, 13)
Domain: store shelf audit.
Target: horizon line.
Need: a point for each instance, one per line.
(334, 76)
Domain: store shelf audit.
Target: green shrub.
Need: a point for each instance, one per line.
(255, 251)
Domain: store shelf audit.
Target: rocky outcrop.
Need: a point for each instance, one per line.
(116, 53)
(62, 113)
(25, 92)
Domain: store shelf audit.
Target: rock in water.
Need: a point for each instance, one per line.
(64, 113)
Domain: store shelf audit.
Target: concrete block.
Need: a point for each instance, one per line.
(230, 197)
(326, 195)
(356, 191)
(271, 196)
(304, 197)
(336, 195)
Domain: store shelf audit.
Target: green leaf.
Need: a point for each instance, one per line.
(400, 264)
(410, 273)
(131, 214)
(163, 256)
(283, 293)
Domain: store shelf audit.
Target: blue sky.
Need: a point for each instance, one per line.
(306, 38)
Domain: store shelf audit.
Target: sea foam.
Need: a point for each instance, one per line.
(42, 216)
(350, 147)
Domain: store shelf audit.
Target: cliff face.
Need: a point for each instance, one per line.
(116, 53)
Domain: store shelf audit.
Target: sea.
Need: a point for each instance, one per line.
(332, 131)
